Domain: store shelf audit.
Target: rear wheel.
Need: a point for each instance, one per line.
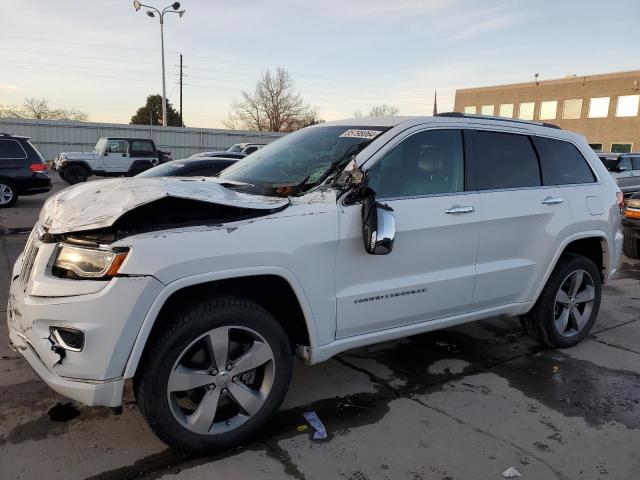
(568, 305)
(75, 174)
(631, 247)
(8, 194)
(215, 376)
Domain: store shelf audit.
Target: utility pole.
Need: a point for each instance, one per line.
(181, 121)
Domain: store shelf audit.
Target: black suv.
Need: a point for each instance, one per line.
(22, 169)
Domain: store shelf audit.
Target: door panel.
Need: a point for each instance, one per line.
(429, 274)
(517, 238)
(116, 157)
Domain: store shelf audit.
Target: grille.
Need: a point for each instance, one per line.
(30, 253)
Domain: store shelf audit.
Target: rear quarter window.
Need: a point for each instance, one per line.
(562, 163)
(11, 150)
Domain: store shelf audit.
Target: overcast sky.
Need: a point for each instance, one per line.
(102, 57)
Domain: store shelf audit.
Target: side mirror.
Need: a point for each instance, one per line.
(378, 225)
(621, 169)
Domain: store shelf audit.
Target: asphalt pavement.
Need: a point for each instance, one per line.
(463, 403)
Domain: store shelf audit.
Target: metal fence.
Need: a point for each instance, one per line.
(54, 136)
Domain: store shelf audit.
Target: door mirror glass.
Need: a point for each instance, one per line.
(378, 225)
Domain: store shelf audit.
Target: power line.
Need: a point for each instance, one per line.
(217, 59)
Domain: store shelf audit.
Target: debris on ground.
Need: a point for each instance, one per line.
(313, 420)
(511, 472)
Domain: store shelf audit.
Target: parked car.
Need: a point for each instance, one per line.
(22, 169)
(110, 157)
(189, 167)
(237, 156)
(625, 169)
(239, 150)
(336, 236)
(631, 227)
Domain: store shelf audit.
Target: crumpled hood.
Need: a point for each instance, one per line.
(98, 204)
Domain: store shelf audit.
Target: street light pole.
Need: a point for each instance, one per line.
(173, 8)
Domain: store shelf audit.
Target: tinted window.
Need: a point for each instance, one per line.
(10, 149)
(635, 162)
(142, 146)
(562, 163)
(249, 150)
(198, 172)
(428, 162)
(505, 161)
(624, 165)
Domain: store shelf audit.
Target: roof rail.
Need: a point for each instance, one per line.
(502, 119)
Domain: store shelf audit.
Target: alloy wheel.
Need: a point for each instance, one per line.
(574, 303)
(6, 194)
(221, 380)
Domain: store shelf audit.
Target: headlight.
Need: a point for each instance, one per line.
(80, 262)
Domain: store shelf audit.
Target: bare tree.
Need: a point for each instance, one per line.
(274, 106)
(384, 110)
(39, 109)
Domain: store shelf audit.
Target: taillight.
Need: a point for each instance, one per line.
(37, 167)
(620, 198)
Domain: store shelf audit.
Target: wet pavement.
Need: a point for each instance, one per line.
(462, 403)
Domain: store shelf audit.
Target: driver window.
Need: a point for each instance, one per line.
(117, 146)
(426, 163)
(625, 164)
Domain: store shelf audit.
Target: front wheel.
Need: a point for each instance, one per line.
(568, 305)
(215, 376)
(75, 174)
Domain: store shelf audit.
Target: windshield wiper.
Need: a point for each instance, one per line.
(335, 165)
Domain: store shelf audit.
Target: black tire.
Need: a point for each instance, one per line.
(540, 321)
(195, 319)
(8, 193)
(75, 174)
(631, 247)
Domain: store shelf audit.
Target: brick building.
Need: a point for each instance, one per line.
(603, 108)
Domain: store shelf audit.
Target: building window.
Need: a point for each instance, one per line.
(627, 106)
(572, 109)
(506, 110)
(621, 147)
(526, 111)
(470, 110)
(548, 110)
(599, 107)
(487, 110)
(597, 147)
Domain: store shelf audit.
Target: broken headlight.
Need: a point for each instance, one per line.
(81, 262)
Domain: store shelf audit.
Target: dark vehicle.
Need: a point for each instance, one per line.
(164, 157)
(189, 167)
(22, 170)
(625, 170)
(237, 156)
(631, 227)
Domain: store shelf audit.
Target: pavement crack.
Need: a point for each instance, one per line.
(558, 474)
(278, 453)
(615, 346)
(593, 332)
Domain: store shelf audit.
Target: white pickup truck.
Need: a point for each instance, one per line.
(110, 157)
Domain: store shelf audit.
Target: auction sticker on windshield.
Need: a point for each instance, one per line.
(356, 133)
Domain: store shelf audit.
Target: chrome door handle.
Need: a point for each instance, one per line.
(552, 200)
(459, 209)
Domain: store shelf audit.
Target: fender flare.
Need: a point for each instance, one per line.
(78, 162)
(601, 235)
(136, 163)
(152, 315)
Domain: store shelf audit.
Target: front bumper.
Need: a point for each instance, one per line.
(109, 313)
(108, 393)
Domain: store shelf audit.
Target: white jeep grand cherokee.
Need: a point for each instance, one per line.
(336, 236)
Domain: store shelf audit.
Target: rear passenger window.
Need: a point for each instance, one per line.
(142, 147)
(11, 149)
(562, 163)
(505, 160)
(635, 161)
